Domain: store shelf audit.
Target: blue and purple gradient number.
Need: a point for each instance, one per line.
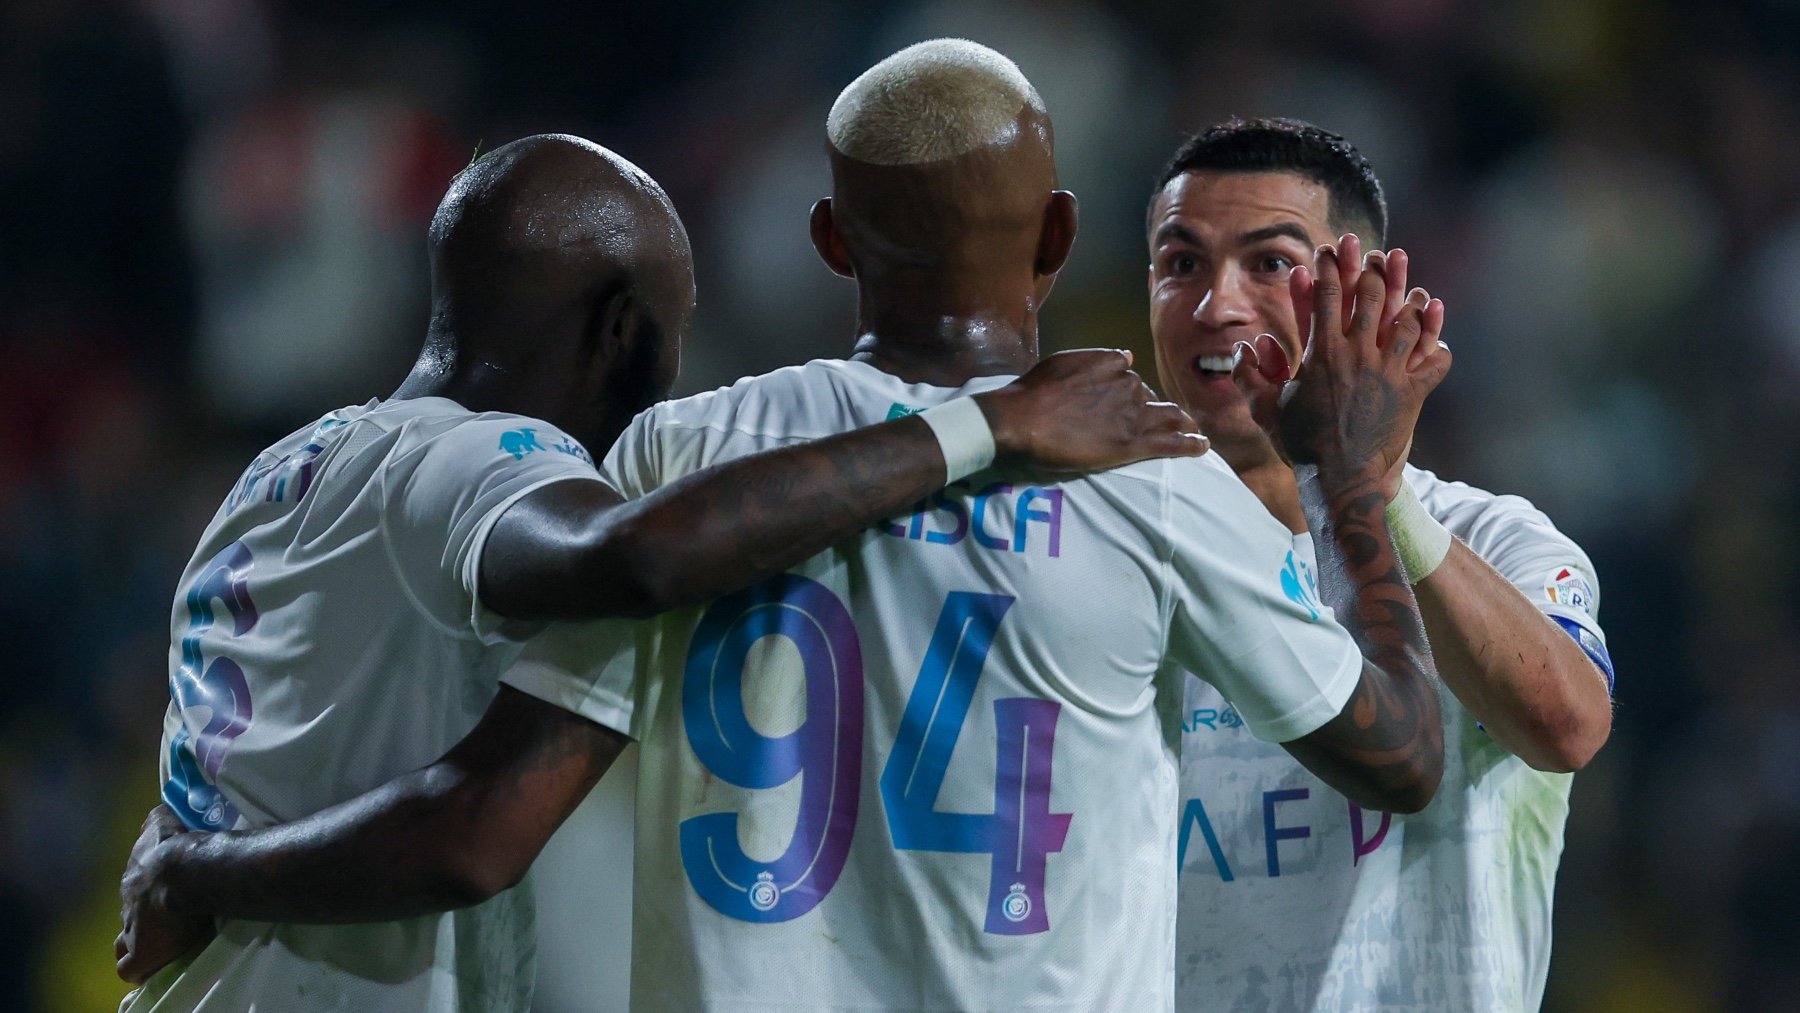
(213, 698)
(1021, 831)
(825, 751)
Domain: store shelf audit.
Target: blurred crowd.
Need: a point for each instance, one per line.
(212, 218)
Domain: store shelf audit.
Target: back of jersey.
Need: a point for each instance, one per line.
(934, 767)
(325, 639)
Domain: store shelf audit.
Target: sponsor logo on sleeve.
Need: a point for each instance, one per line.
(1568, 587)
(1297, 583)
(519, 442)
(900, 411)
(569, 447)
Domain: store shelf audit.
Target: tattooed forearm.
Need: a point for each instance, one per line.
(450, 835)
(1385, 749)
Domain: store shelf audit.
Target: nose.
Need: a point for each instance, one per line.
(1226, 304)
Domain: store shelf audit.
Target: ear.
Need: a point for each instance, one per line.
(826, 240)
(613, 326)
(1057, 236)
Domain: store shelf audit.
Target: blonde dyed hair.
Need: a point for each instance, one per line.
(929, 102)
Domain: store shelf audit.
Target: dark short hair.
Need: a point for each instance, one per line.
(1282, 145)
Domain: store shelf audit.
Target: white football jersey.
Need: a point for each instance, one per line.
(326, 638)
(935, 766)
(1292, 898)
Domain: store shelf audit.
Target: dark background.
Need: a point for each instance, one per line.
(211, 232)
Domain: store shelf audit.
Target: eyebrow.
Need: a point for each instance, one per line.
(1291, 230)
(1177, 231)
(1181, 233)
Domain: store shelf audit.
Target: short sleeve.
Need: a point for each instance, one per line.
(1246, 613)
(1547, 567)
(589, 668)
(634, 464)
(442, 501)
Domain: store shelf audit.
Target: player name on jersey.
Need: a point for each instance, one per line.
(999, 516)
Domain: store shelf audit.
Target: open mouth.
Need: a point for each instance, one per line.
(1214, 367)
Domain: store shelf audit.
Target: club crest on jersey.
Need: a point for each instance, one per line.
(1297, 583)
(1568, 587)
(1016, 907)
(764, 894)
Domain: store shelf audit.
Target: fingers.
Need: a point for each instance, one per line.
(1403, 334)
(1173, 432)
(1272, 359)
(1395, 272)
(1327, 298)
(1429, 339)
(1433, 369)
(1370, 291)
(1259, 373)
(1300, 292)
(164, 822)
(1182, 445)
(1247, 370)
(1350, 267)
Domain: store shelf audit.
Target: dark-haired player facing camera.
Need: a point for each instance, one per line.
(1291, 896)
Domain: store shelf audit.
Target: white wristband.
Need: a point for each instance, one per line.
(1421, 542)
(963, 435)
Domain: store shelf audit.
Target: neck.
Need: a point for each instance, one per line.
(445, 370)
(945, 346)
(1271, 480)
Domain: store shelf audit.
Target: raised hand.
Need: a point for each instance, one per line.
(1372, 355)
(152, 935)
(1086, 410)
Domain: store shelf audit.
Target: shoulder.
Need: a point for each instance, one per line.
(1514, 537)
(1473, 513)
(446, 429)
(787, 402)
(1191, 505)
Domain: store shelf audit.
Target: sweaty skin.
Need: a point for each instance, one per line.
(562, 285)
(1222, 248)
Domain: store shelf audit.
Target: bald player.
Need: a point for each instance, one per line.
(933, 767)
(353, 605)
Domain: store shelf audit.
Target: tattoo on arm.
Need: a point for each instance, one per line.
(1386, 746)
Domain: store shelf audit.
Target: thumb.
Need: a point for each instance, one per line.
(1179, 444)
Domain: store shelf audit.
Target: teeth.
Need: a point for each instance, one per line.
(1214, 363)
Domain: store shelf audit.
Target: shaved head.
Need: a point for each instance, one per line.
(564, 268)
(928, 102)
(534, 230)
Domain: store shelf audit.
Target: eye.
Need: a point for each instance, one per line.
(1179, 263)
(1273, 263)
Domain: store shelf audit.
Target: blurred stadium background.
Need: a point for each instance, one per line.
(211, 231)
